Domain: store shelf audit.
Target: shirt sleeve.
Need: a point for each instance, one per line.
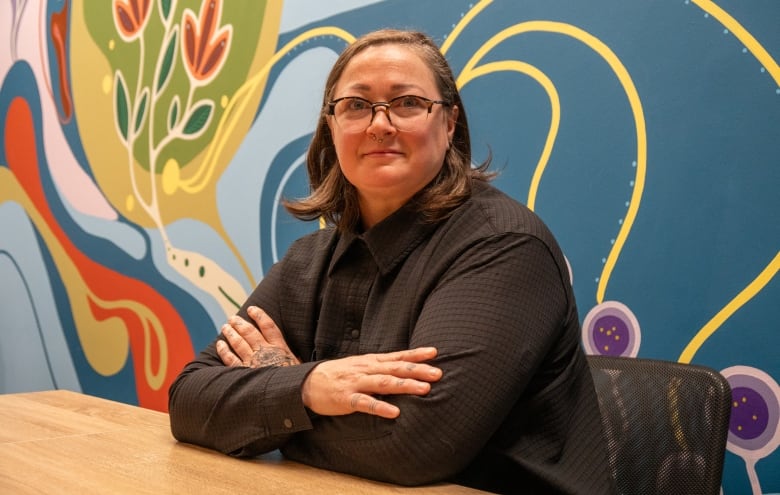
(494, 317)
(237, 410)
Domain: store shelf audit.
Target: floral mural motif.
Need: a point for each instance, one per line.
(146, 145)
(141, 142)
(130, 17)
(204, 45)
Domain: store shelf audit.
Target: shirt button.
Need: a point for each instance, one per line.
(355, 333)
(288, 423)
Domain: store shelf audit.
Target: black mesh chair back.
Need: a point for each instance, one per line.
(665, 423)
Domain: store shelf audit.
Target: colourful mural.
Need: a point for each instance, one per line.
(146, 145)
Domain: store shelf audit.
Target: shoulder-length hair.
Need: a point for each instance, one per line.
(333, 198)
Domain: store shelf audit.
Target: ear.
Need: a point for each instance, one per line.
(452, 120)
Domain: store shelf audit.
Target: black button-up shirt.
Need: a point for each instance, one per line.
(515, 410)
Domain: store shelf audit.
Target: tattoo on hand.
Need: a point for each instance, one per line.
(271, 356)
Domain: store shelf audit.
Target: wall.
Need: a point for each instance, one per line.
(644, 133)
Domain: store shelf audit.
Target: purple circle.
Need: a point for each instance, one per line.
(749, 413)
(611, 335)
(611, 329)
(753, 392)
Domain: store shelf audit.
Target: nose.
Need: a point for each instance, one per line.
(381, 125)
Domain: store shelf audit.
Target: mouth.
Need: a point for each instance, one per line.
(382, 152)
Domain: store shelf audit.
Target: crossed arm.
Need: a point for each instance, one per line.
(422, 413)
(335, 387)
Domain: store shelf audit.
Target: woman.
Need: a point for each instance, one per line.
(430, 333)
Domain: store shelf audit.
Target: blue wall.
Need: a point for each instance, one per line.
(646, 134)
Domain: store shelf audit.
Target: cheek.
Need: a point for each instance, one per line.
(346, 147)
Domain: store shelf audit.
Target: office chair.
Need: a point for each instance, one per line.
(665, 424)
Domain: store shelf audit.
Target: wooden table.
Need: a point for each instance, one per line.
(65, 442)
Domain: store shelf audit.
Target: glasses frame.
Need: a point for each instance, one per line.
(331, 105)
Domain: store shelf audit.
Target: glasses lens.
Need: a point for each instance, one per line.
(352, 114)
(409, 112)
(406, 113)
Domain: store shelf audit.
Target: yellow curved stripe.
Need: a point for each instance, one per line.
(231, 117)
(470, 15)
(724, 314)
(153, 330)
(743, 36)
(636, 107)
(555, 110)
(237, 105)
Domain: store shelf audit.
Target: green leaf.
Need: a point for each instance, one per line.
(173, 113)
(121, 105)
(165, 5)
(167, 62)
(199, 117)
(141, 111)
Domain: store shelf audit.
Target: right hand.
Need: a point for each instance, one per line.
(254, 346)
(348, 385)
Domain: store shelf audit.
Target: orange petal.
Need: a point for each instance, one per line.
(215, 55)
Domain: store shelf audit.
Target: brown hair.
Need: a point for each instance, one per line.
(335, 199)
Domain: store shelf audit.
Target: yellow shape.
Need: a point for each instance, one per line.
(470, 71)
(129, 202)
(743, 36)
(107, 84)
(470, 15)
(724, 314)
(171, 176)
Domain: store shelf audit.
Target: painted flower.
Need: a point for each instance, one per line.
(130, 17)
(204, 44)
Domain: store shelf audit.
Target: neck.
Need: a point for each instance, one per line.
(374, 210)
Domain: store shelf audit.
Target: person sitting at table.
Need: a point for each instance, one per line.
(429, 333)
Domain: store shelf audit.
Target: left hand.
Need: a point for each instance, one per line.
(254, 346)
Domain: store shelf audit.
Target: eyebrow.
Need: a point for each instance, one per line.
(394, 87)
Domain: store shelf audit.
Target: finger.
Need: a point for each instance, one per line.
(240, 347)
(371, 405)
(416, 355)
(226, 355)
(393, 385)
(249, 332)
(404, 369)
(270, 331)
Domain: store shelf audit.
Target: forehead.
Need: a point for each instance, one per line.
(388, 66)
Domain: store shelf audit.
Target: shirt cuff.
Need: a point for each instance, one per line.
(284, 411)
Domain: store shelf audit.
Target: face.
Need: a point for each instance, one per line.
(387, 166)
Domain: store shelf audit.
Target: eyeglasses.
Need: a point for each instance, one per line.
(406, 113)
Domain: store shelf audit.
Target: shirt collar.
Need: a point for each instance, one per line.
(390, 241)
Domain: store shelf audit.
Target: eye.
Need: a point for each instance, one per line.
(356, 104)
(409, 102)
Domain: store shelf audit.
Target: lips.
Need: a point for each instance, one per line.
(382, 152)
